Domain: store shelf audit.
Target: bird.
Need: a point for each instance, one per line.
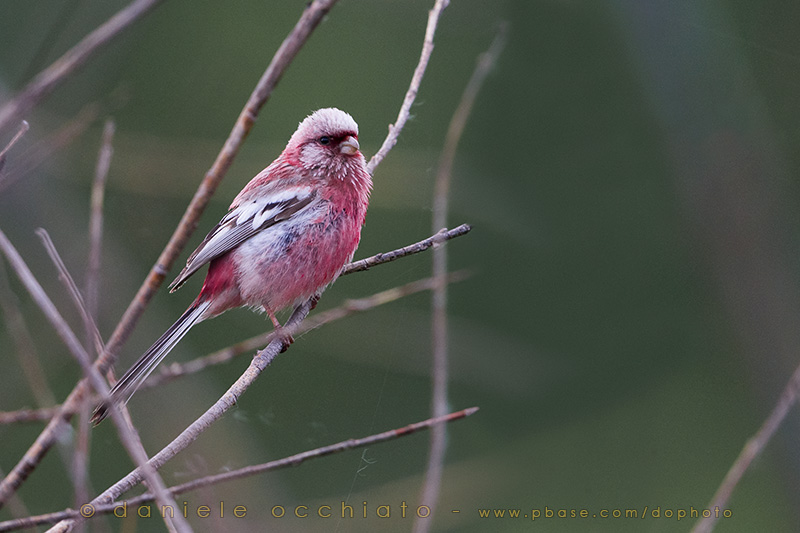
(286, 237)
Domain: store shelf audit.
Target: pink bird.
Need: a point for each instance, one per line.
(286, 237)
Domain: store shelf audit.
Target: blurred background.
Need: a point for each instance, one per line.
(631, 173)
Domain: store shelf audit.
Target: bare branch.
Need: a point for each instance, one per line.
(413, 88)
(47, 80)
(42, 150)
(386, 257)
(28, 415)
(439, 344)
(72, 289)
(96, 221)
(752, 449)
(23, 127)
(291, 461)
(291, 45)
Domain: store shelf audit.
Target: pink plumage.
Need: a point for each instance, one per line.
(286, 237)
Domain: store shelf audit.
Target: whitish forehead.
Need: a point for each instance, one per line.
(329, 120)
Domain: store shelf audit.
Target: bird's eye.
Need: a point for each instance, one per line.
(324, 140)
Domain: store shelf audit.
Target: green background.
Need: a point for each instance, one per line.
(631, 173)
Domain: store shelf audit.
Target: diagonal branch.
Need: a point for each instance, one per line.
(47, 80)
(413, 88)
(752, 449)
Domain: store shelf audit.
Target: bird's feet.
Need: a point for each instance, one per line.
(285, 338)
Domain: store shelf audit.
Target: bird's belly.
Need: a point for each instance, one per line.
(283, 265)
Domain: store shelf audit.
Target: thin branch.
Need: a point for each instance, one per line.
(126, 432)
(42, 414)
(25, 348)
(17, 507)
(44, 149)
(291, 45)
(47, 80)
(413, 88)
(23, 127)
(439, 404)
(80, 462)
(386, 257)
(72, 290)
(752, 449)
(96, 221)
(291, 461)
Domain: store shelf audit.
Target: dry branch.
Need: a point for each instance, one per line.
(47, 80)
(413, 88)
(439, 327)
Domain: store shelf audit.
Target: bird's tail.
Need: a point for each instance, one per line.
(133, 378)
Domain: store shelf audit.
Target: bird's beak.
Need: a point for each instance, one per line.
(349, 146)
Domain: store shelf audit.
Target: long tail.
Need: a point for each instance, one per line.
(133, 378)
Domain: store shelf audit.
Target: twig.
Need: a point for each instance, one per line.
(72, 290)
(439, 405)
(25, 349)
(47, 80)
(291, 45)
(42, 414)
(63, 330)
(78, 463)
(17, 507)
(291, 461)
(413, 88)
(96, 222)
(42, 150)
(752, 449)
(386, 257)
(23, 127)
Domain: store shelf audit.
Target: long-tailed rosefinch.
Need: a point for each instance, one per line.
(286, 237)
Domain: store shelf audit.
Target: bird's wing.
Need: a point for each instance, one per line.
(242, 222)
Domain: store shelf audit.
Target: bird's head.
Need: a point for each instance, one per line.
(326, 142)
